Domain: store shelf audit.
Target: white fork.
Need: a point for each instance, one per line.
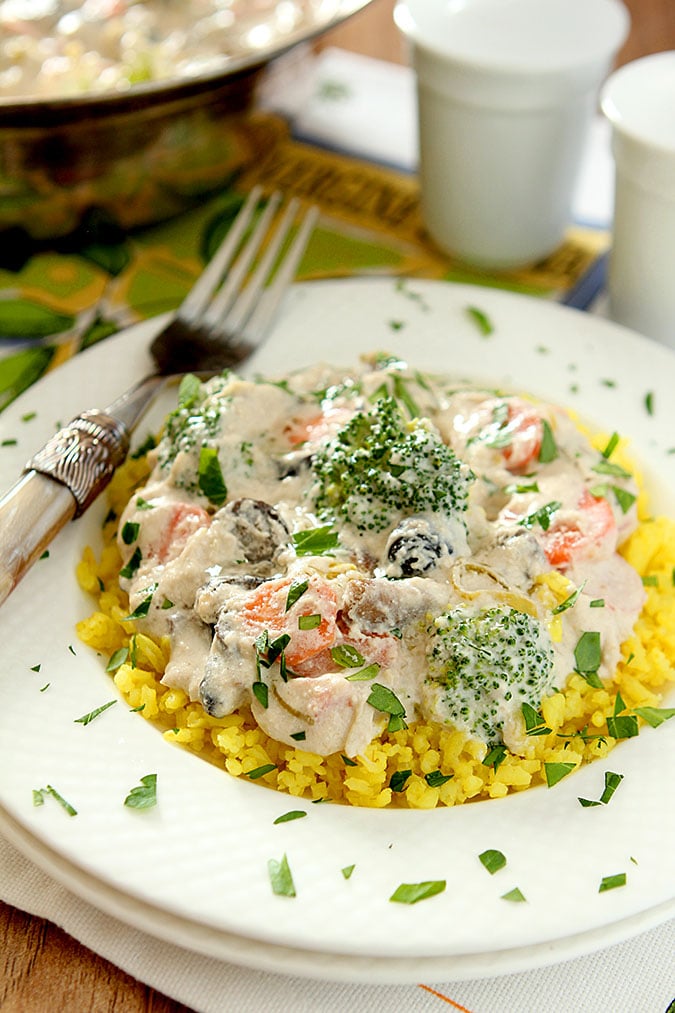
(216, 327)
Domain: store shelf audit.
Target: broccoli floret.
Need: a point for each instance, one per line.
(195, 420)
(380, 466)
(484, 665)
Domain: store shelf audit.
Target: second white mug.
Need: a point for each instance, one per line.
(639, 102)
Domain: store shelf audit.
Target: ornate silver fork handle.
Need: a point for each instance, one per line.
(64, 478)
(84, 455)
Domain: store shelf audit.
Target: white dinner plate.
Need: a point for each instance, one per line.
(193, 870)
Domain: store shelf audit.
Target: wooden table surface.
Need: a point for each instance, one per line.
(41, 968)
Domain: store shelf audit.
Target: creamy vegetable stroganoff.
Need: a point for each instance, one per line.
(348, 553)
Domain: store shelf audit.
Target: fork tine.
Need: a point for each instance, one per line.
(263, 312)
(198, 297)
(223, 299)
(251, 293)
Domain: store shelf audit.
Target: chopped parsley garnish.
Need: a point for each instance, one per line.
(299, 736)
(346, 656)
(606, 467)
(261, 693)
(347, 761)
(411, 893)
(266, 653)
(309, 622)
(141, 611)
(39, 799)
(130, 532)
(569, 602)
(492, 860)
(189, 391)
(587, 658)
(494, 756)
(624, 498)
(612, 882)
(36, 668)
(295, 592)
(436, 778)
(347, 871)
(655, 716)
(385, 700)
(315, 541)
(481, 320)
(280, 877)
(612, 782)
(257, 772)
(399, 779)
(650, 580)
(403, 395)
(365, 675)
(521, 487)
(210, 476)
(292, 814)
(612, 444)
(516, 896)
(649, 402)
(556, 771)
(116, 659)
(597, 603)
(134, 563)
(144, 795)
(534, 722)
(86, 719)
(548, 450)
(621, 725)
(542, 516)
(402, 286)
(148, 444)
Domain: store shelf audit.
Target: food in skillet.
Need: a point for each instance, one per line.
(347, 559)
(68, 47)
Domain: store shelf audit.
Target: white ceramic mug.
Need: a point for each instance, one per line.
(506, 91)
(639, 102)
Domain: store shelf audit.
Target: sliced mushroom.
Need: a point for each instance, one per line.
(257, 527)
(223, 686)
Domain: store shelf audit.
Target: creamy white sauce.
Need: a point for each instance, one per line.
(456, 536)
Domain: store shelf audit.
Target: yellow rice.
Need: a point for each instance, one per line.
(236, 743)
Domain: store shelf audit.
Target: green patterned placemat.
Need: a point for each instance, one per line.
(55, 301)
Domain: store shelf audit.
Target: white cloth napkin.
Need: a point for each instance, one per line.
(367, 108)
